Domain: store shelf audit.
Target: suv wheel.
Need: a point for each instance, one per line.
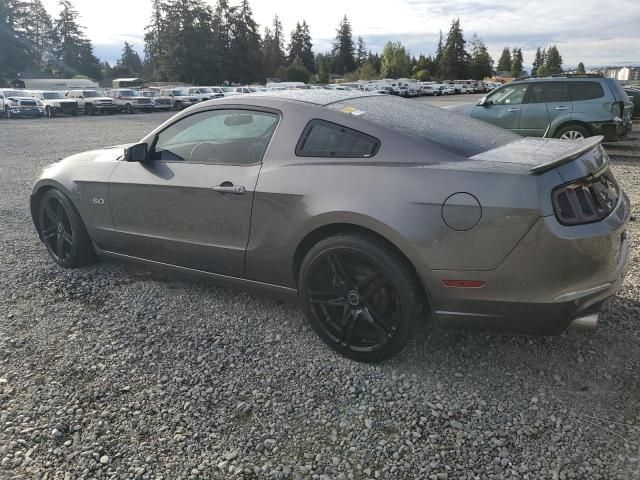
(89, 109)
(573, 132)
(49, 112)
(129, 108)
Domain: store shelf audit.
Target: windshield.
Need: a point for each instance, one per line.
(90, 94)
(228, 89)
(13, 93)
(179, 92)
(205, 90)
(129, 93)
(52, 95)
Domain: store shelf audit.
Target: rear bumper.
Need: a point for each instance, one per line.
(552, 276)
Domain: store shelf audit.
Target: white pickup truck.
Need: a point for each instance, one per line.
(129, 100)
(91, 102)
(16, 103)
(55, 103)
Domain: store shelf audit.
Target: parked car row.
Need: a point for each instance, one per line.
(38, 103)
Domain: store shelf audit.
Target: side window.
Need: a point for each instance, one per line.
(535, 94)
(555, 92)
(585, 91)
(235, 137)
(509, 95)
(326, 139)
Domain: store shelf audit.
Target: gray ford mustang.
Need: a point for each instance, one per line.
(375, 211)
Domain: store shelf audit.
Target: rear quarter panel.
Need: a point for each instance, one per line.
(398, 194)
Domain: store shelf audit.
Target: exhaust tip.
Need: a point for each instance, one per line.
(585, 323)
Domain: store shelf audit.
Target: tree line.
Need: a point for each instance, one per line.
(192, 41)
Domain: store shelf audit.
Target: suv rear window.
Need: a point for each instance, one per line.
(325, 139)
(585, 91)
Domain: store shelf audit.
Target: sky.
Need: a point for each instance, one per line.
(585, 31)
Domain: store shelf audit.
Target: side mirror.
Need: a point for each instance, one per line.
(483, 102)
(81, 96)
(137, 153)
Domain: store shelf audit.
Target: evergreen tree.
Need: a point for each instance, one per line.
(244, 51)
(153, 50)
(538, 62)
(516, 63)
(300, 47)
(273, 56)
(553, 61)
(454, 59)
(323, 67)
(361, 52)
(222, 34)
(580, 70)
(395, 61)
(130, 60)
(73, 52)
(375, 61)
(343, 49)
(15, 54)
(481, 62)
(504, 64)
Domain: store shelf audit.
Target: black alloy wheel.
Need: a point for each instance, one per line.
(62, 231)
(359, 297)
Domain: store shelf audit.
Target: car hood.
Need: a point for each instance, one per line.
(107, 154)
(15, 99)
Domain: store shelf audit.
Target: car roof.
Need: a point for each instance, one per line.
(313, 96)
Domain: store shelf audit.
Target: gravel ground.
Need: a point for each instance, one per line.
(116, 372)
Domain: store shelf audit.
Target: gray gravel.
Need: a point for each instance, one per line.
(113, 371)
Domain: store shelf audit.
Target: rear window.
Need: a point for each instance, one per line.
(585, 91)
(326, 139)
(454, 132)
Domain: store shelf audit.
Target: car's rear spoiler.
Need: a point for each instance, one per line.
(581, 147)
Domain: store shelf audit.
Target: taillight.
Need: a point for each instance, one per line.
(587, 200)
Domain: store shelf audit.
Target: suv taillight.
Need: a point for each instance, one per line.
(587, 200)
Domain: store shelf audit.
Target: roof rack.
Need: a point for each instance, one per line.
(563, 75)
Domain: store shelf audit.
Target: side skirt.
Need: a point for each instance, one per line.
(226, 280)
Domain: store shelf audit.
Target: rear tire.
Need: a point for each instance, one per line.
(89, 109)
(573, 132)
(63, 232)
(360, 296)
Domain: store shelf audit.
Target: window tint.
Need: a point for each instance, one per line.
(554, 92)
(234, 137)
(585, 91)
(509, 95)
(547, 92)
(326, 139)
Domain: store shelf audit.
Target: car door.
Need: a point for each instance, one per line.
(190, 203)
(534, 117)
(558, 101)
(502, 107)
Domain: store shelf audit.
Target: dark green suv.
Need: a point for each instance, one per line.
(569, 107)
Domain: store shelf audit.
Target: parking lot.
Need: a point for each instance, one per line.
(113, 371)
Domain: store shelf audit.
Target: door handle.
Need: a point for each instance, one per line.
(228, 187)
(513, 110)
(562, 108)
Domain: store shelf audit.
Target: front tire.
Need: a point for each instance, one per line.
(63, 232)
(360, 296)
